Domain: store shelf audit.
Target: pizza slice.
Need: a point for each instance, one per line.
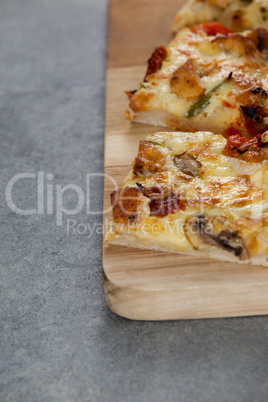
(198, 194)
(206, 80)
(238, 15)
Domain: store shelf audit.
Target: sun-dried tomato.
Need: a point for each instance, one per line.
(211, 29)
(163, 201)
(155, 61)
(254, 119)
(236, 143)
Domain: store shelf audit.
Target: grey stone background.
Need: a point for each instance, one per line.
(59, 341)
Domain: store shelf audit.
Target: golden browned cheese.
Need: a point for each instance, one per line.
(136, 106)
(236, 43)
(184, 81)
(125, 203)
(148, 160)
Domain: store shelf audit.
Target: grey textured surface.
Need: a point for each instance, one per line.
(59, 341)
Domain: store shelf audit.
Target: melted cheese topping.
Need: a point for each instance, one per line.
(213, 60)
(227, 188)
(237, 15)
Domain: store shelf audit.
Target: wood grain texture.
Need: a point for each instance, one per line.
(143, 284)
(136, 27)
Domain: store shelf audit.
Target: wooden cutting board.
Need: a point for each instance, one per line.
(150, 285)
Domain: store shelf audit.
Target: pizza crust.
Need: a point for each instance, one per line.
(185, 195)
(217, 254)
(165, 119)
(160, 118)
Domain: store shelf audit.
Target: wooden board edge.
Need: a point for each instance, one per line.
(133, 303)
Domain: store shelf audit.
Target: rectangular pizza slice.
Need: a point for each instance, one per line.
(238, 15)
(206, 82)
(196, 193)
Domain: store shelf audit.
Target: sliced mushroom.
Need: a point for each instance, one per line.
(126, 204)
(231, 241)
(198, 231)
(201, 230)
(188, 164)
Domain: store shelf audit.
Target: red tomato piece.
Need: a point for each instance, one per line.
(211, 29)
(242, 144)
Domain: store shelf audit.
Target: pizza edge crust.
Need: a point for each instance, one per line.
(165, 119)
(215, 254)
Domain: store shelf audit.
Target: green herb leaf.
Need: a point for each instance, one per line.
(202, 103)
(156, 143)
(198, 106)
